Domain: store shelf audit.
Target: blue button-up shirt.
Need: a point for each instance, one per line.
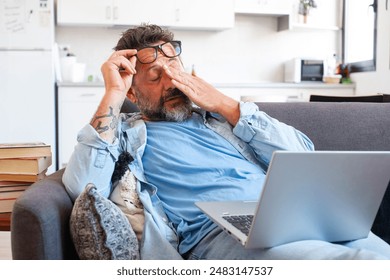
(256, 136)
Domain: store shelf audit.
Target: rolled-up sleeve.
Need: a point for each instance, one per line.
(266, 134)
(92, 161)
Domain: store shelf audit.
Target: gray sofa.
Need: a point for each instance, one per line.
(40, 230)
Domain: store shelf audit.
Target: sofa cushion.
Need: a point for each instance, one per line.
(99, 229)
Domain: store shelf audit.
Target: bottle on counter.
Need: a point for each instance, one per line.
(331, 63)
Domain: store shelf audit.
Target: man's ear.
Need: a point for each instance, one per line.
(131, 95)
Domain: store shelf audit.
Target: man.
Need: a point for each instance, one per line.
(189, 143)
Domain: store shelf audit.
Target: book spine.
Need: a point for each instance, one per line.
(6, 205)
(14, 188)
(10, 195)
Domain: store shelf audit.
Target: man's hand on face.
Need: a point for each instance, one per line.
(204, 95)
(118, 71)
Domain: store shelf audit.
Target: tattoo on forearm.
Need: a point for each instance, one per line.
(112, 125)
(100, 129)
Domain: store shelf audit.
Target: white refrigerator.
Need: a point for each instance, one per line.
(27, 82)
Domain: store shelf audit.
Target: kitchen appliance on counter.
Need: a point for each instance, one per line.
(27, 82)
(297, 70)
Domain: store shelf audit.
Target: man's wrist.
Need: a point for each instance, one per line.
(230, 110)
(106, 118)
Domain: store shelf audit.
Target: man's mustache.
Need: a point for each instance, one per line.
(173, 93)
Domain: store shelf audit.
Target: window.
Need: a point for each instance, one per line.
(359, 34)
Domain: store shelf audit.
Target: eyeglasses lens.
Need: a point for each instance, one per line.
(146, 55)
(149, 54)
(170, 49)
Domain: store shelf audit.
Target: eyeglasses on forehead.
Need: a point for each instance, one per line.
(149, 54)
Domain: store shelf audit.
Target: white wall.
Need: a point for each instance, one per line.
(252, 51)
(378, 81)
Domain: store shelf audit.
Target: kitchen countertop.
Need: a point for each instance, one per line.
(282, 85)
(80, 84)
(235, 85)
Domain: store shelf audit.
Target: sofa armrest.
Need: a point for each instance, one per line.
(40, 222)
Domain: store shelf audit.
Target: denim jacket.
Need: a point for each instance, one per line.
(256, 136)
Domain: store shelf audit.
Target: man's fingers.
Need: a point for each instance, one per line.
(125, 60)
(178, 76)
(126, 53)
(186, 89)
(124, 64)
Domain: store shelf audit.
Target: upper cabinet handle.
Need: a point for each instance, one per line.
(116, 12)
(108, 12)
(177, 15)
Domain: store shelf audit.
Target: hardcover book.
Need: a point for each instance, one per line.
(9, 195)
(25, 165)
(24, 150)
(16, 187)
(22, 177)
(6, 205)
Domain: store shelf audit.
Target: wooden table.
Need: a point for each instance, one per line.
(5, 221)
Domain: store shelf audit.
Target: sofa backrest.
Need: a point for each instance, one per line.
(340, 126)
(337, 126)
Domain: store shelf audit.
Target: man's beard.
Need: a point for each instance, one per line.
(159, 112)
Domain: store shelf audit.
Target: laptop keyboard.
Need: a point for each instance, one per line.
(242, 222)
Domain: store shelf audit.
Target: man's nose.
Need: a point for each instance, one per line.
(167, 81)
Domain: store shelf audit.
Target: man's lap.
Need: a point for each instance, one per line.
(219, 245)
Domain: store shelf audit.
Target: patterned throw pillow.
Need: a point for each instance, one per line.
(100, 230)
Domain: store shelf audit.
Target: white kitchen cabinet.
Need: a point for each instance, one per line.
(263, 7)
(76, 107)
(180, 14)
(293, 92)
(270, 95)
(85, 12)
(204, 14)
(135, 12)
(115, 12)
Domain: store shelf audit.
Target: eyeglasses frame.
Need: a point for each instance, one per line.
(159, 48)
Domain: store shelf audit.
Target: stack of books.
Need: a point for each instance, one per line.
(21, 164)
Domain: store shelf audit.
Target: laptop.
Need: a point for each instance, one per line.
(318, 195)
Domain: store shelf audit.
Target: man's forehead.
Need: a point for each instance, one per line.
(157, 64)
